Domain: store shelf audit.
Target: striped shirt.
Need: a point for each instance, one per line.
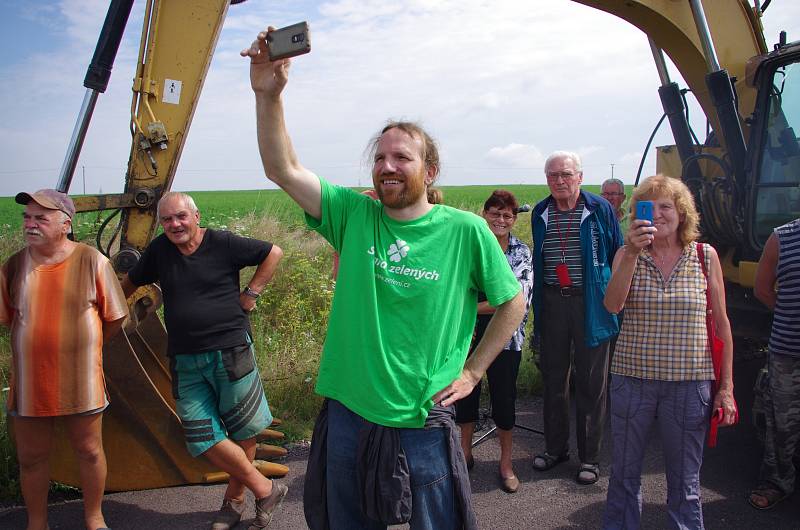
(56, 314)
(664, 334)
(785, 337)
(562, 242)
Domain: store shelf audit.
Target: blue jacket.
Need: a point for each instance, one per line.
(600, 238)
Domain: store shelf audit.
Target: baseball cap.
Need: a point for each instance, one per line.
(51, 199)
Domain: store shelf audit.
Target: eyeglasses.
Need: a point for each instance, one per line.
(497, 215)
(611, 194)
(563, 175)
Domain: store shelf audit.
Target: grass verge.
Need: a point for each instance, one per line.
(288, 324)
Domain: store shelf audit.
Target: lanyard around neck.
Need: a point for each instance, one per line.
(562, 239)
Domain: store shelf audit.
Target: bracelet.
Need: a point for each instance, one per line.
(251, 293)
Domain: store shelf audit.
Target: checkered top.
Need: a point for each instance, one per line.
(663, 332)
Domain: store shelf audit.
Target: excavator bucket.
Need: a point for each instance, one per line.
(142, 434)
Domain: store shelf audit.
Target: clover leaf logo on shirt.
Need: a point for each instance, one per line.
(398, 250)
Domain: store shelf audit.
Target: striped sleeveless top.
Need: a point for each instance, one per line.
(785, 337)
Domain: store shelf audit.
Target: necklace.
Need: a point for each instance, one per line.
(664, 258)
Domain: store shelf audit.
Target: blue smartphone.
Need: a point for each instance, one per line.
(644, 210)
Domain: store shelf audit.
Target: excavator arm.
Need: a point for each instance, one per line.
(735, 31)
(142, 434)
(738, 175)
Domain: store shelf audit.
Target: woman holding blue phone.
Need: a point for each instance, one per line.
(662, 370)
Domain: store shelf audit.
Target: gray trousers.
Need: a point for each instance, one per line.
(783, 422)
(562, 327)
(680, 410)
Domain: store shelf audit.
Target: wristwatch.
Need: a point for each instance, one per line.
(251, 293)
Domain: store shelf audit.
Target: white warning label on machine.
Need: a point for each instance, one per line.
(172, 91)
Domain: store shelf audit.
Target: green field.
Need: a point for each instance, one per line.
(289, 323)
(223, 208)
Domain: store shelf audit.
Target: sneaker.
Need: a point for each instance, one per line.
(266, 506)
(229, 515)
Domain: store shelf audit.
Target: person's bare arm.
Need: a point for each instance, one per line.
(268, 79)
(724, 397)
(621, 275)
(766, 273)
(111, 328)
(505, 321)
(261, 277)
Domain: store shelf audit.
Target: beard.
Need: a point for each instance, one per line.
(408, 194)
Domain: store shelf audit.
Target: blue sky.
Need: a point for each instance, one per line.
(567, 77)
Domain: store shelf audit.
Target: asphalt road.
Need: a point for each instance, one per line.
(550, 500)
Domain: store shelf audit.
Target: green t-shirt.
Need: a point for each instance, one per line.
(404, 307)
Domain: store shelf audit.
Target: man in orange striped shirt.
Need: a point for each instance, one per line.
(61, 299)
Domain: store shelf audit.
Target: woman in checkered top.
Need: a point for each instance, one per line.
(662, 370)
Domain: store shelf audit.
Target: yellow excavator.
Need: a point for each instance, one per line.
(744, 176)
(142, 434)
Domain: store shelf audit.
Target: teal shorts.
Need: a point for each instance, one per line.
(219, 395)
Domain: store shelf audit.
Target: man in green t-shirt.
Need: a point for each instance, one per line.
(402, 314)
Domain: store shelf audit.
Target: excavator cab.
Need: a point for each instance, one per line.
(775, 143)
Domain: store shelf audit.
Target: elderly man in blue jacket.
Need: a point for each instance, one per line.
(575, 236)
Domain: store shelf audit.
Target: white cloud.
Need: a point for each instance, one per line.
(588, 150)
(517, 156)
(630, 158)
(500, 84)
(490, 100)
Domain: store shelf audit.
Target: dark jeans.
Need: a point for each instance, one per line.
(502, 375)
(562, 326)
(433, 501)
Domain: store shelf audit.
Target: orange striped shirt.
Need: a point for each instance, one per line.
(56, 314)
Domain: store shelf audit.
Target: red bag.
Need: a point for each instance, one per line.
(717, 346)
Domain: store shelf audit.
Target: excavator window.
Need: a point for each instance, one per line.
(778, 193)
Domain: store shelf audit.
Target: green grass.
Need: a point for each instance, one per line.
(224, 208)
(290, 321)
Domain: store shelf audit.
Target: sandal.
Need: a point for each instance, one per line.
(545, 461)
(769, 493)
(587, 474)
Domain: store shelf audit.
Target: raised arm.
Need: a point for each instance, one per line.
(638, 237)
(281, 165)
